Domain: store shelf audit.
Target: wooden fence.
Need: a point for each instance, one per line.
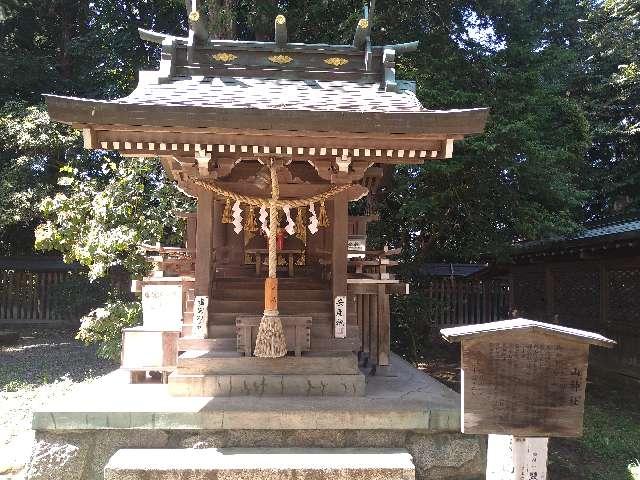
(466, 302)
(45, 290)
(25, 296)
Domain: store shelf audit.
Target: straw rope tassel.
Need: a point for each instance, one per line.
(271, 341)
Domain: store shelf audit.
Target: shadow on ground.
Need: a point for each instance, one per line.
(44, 355)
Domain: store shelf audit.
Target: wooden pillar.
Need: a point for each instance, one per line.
(204, 244)
(219, 234)
(190, 237)
(384, 327)
(339, 245)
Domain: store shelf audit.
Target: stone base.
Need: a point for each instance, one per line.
(402, 408)
(83, 455)
(261, 463)
(206, 385)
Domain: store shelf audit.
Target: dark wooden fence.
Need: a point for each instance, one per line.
(465, 302)
(27, 287)
(601, 295)
(45, 290)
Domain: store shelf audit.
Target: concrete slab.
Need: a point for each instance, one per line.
(262, 463)
(402, 398)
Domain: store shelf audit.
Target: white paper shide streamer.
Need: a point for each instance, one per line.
(313, 220)
(237, 217)
(291, 227)
(263, 221)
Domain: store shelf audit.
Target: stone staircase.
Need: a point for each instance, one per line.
(261, 464)
(234, 296)
(214, 367)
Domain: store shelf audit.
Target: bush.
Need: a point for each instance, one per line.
(76, 295)
(411, 324)
(104, 326)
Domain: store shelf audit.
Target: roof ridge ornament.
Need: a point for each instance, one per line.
(280, 59)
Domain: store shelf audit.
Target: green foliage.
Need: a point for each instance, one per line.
(104, 326)
(411, 327)
(32, 148)
(609, 91)
(100, 222)
(611, 434)
(75, 296)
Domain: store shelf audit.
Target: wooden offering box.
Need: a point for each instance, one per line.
(145, 349)
(523, 378)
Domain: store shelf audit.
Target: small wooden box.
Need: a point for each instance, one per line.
(147, 349)
(523, 378)
(297, 331)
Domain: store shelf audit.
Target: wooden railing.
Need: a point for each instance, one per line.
(464, 302)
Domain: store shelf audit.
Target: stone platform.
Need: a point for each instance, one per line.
(402, 408)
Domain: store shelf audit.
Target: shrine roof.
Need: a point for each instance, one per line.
(274, 93)
(233, 98)
(457, 334)
(263, 102)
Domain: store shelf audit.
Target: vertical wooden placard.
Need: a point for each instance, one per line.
(200, 316)
(516, 458)
(340, 316)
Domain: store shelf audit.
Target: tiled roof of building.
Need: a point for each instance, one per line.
(267, 93)
(610, 229)
(602, 233)
(452, 269)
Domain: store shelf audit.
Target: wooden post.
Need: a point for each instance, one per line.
(190, 237)
(204, 243)
(384, 327)
(516, 458)
(339, 245)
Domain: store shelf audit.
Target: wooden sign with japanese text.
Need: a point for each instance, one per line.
(200, 316)
(528, 384)
(162, 306)
(340, 319)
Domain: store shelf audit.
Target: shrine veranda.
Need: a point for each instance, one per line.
(273, 140)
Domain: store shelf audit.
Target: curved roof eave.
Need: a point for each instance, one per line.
(104, 112)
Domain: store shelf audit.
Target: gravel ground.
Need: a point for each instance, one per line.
(44, 365)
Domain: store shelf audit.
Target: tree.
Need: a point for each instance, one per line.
(101, 221)
(70, 47)
(519, 179)
(610, 93)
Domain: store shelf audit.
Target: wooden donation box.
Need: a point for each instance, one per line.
(146, 349)
(523, 378)
(153, 347)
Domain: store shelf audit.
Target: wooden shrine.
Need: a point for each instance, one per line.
(274, 139)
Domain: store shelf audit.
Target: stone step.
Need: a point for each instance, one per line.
(283, 284)
(207, 344)
(205, 385)
(283, 295)
(213, 363)
(261, 464)
(286, 307)
(229, 318)
(320, 328)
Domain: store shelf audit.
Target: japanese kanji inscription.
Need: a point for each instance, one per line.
(521, 384)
